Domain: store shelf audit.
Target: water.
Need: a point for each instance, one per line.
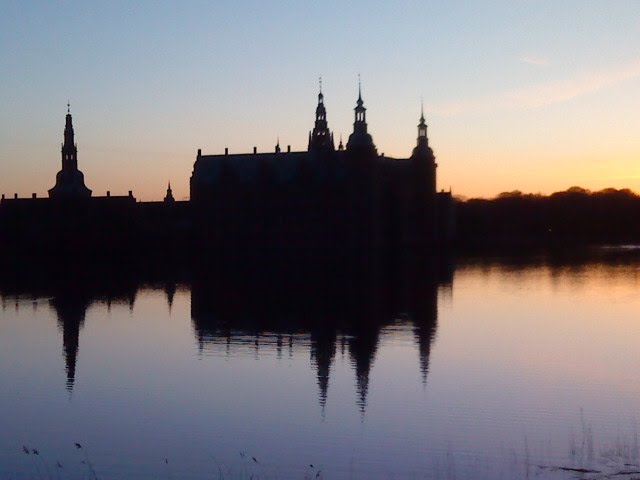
(497, 368)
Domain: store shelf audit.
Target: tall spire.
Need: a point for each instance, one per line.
(422, 126)
(69, 150)
(360, 139)
(423, 156)
(361, 111)
(320, 138)
(169, 196)
(69, 180)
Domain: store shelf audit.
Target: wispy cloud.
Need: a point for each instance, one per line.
(535, 60)
(543, 94)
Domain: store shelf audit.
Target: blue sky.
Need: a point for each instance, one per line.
(529, 95)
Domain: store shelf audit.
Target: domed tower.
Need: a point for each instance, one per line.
(360, 141)
(421, 189)
(69, 180)
(321, 139)
(423, 158)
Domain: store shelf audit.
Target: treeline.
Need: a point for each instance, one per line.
(576, 215)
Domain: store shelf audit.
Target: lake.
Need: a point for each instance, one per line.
(476, 367)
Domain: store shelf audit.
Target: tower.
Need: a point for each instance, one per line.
(423, 157)
(360, 140)
(69, 180)
(168, 198)
(422, 211)
(321, 139)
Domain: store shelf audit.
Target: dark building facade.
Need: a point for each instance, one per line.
(71, 223)
(345, 198)
(322, 197)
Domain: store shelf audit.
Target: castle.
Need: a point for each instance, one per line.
(323, 197)
(348, 198)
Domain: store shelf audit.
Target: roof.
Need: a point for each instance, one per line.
(283, 166)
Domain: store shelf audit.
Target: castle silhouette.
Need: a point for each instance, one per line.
(325, 197)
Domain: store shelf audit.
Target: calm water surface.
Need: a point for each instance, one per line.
(494, 369)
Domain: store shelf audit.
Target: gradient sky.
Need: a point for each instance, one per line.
(530, 95)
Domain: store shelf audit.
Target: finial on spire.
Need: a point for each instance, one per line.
(68, 107)
(359, 88)
(421, 109)
(320, 83)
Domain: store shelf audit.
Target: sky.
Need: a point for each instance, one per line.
(529, 95)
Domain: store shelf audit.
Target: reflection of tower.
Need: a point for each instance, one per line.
(420, 285)
(170, 292)
(425, 318)
(323, 351)
(362, 349)
(71, 312)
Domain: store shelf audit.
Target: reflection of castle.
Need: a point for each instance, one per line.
(260, 307)
(333, 311)
(349, 197)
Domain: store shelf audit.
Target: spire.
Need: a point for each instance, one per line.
(340, 145)
(423, 156)
(361, 111)
(360, 139)
(69, 144)
(278, 144)
(320, 138)
(69, 180)
(422, 127)
(169, 196)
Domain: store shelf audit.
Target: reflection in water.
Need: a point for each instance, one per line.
(278, 303)
(71, 291)
(323, 304)
(273, 302)
(70, 311)
(338, 374)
